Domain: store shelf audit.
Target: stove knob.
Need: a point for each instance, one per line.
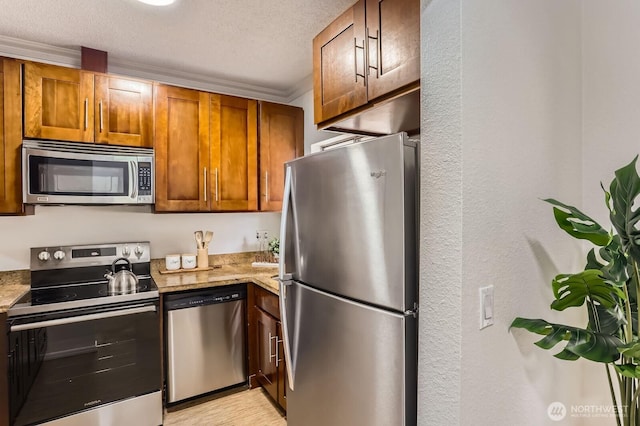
(126, 251)
(138, 251)
(44, 256)
(58, 255)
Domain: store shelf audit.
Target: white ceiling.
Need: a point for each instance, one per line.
(259, 45)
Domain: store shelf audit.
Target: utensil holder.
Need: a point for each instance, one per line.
(203, 258)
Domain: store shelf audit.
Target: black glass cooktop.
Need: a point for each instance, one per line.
(42, 296)
(46, 299)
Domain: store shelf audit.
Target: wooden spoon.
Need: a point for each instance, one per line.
(207, 238)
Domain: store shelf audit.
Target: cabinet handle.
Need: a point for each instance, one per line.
(266, 186)
(205, 183)
(216, 184)
(100, 108)
(377, 67)
(355, 58)
(271, 356)
(86, 113)
(278, 360)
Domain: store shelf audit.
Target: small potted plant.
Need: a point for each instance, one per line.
(274, 248)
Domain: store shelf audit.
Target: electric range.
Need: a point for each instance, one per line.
(73, 277)
(80, 353)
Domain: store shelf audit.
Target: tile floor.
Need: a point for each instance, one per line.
(234, 408)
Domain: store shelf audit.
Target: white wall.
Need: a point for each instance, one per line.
(311, 134)
(611, 95)
(440, 334)
(501, 129)
(168, 233)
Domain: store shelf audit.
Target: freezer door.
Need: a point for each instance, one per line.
(349, 226)
(350, 364)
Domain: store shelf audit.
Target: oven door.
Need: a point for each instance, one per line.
(67, 362)
(57, 177)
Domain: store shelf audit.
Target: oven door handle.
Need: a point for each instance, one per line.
(82, 318)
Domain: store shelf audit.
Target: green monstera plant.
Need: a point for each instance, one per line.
(608, 288)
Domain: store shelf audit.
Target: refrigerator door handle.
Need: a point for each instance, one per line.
(286, 205)
(286, 345)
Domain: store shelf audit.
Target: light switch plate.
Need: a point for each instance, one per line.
(486, 307)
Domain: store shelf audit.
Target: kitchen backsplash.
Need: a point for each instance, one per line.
(168, 233)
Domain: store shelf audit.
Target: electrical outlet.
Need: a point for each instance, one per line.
(262, 234)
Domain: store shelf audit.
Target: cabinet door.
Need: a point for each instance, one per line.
(10, 137)
(281, 140)
(234, 154)
(182, 149)
(393, 45)
(124, 111)
(339, 74)
(267, 337)
(58, 103)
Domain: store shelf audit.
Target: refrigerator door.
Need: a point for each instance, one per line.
(350, 364)
(349, 226)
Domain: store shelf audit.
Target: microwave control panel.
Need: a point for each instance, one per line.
(144, 180)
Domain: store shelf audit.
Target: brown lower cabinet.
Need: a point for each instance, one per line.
(266, 352)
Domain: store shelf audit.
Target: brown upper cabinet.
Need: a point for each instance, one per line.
(371, 50)
(181, 149)
(234, 153)
(206, 151)
(281, 140)
(124, 111)
(74, 105)
(10, 137)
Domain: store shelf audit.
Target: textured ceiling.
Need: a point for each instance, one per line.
(264, 43)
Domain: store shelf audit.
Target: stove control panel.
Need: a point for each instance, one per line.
(59, 257)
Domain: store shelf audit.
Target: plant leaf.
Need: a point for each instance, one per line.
(578, 224)
(603, 320)
(574, 289)
(628, 370)
(567, 355)
(631, 350)
(593, 262)
(587, 344)
(624, 189)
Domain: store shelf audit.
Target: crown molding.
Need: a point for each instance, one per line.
(300, 88)
(34, 51)
(70, 57)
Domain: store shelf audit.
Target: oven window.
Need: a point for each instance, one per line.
(82, 365)
(63, 176)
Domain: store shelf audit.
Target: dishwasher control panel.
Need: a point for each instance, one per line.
(210, 296)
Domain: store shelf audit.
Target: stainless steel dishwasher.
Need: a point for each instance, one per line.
(205, 341)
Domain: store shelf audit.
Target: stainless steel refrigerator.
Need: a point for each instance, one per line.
(348, 284)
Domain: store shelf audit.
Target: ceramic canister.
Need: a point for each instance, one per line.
(172, 262)
(188, 261)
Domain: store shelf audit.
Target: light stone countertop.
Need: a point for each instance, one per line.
(230, 269)
(13, 285)
(234, 268)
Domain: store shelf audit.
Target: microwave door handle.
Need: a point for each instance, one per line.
(134, 180)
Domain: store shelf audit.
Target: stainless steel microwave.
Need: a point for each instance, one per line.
(82, 173)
